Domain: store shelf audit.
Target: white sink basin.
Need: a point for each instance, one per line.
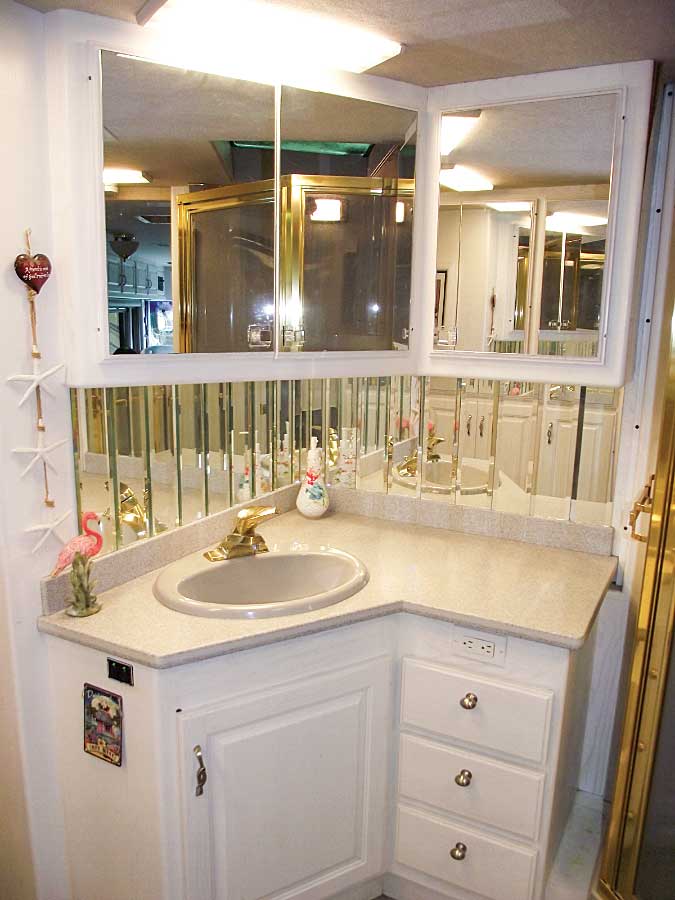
(292, 579)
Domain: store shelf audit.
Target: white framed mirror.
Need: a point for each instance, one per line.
(539, 181)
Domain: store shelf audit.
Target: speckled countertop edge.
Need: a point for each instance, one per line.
(507, 588)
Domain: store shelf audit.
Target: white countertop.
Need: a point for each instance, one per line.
(513, 588)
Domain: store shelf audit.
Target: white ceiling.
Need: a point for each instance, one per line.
(465, 40)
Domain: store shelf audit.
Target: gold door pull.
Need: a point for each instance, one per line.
(643, 504)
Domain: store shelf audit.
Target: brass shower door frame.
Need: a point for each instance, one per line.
(188, 206)
(651, 653)
(294, 191)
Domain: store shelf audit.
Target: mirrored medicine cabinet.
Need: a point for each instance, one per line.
(523, 226)
(248, 230)
(221, 215)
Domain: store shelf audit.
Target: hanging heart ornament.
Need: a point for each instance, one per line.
(33, 270)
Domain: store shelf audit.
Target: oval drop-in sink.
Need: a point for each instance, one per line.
(283, 581)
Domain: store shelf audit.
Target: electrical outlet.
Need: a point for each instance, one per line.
(481, 647)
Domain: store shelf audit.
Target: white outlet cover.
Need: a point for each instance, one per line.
(477, 646)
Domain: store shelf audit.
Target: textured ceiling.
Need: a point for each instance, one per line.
(163, 120)
(465, 40)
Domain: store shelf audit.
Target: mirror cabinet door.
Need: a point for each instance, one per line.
(347, 192)
(189, 176)
(189, 204)
(523, 224)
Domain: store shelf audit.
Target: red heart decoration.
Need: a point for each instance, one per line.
(33, 270)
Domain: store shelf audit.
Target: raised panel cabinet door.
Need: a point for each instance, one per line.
(514, 441)
(465, 857)
(556, 452)
(595, 465)
(295, 793)
(499, 716)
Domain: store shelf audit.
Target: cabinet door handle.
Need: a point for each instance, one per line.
(201, 771)
(464, 778)
(458, 852)
(481, 426)
(469, 701)
(549, 433)
(468, 426)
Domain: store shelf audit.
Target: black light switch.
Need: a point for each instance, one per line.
(120, 671)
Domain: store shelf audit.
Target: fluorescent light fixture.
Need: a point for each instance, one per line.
(454, 128)
(514, 206)
(327, 209)
(281, 37)
(571, 221)
(462, 178)
(113, 176)
(400, 212)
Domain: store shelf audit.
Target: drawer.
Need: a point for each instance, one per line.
(497, 794)
(507, 718)
(491, 867)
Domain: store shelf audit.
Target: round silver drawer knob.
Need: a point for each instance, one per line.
(458, 852)
(469, 701)
(464, 778)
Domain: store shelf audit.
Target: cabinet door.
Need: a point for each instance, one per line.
(556, 452)
(483, 428)
(468, 425)
(595, 465)
(294, 802)
(515, 428)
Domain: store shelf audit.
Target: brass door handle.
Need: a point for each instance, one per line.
(201, 771)
(463, 779)
(458, 852)
(549, 433)
(468, 426)
(481, 426)
(469, 701)
(643, 504)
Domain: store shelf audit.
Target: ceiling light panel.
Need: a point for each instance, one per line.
(285, 40)
(455, 128)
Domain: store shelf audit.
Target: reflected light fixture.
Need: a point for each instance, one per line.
(400, 212)
(454, 128)
(327, 209)
(571, 221)
(113, 176)
(462, 178)
(282, 38)
(514, 206)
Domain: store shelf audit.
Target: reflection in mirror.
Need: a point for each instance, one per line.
(189, 197)
(347, 188)
(524, 206)
(516, 446)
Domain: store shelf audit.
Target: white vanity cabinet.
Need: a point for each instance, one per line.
(488, 763)
(313, 785)
(296, 741)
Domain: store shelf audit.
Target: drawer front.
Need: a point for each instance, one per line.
(508, 719)
(493, 868)
(491, 792)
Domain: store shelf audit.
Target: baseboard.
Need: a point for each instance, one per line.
(369, 890)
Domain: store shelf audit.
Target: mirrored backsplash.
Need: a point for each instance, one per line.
(149, 459)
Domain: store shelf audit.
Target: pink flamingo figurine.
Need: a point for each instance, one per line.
(88, 544)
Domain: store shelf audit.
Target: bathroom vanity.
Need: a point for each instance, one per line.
(428, 747)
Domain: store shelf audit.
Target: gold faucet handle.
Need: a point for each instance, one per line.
(250, 516)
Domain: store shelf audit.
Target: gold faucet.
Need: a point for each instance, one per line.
(433, 440)
(243, 541)
(408, 465)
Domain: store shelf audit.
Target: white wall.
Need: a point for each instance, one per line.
(25, 748)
